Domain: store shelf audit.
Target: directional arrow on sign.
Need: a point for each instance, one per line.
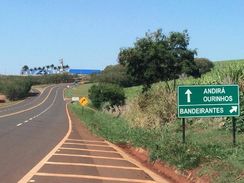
(188, 93)
(233, 109)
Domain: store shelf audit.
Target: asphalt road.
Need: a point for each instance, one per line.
(40, 142)
(29, 130)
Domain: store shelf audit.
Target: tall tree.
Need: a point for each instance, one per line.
(25, 68)
(157, 57)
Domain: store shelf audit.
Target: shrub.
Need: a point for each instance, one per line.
(52, 79)
(152, 109)
(15, 89)
(105, 93)
(204, 65)
(115, 74)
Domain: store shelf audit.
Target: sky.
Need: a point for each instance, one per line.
(88, 34)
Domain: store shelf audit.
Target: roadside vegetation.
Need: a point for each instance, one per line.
(18, 87)
(78, 91)
(157, 64)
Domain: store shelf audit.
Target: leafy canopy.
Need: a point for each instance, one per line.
(157, 57)
(106, 93)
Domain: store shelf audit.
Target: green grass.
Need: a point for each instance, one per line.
(132, 92)
(78, 91)
(82, 90)
(212, 148)
(113, 129)
(208, 147)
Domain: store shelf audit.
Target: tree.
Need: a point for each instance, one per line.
(24, 69)
(204, 65)
(157, 57)
(66, 66)
(116, 74)
(52, 67)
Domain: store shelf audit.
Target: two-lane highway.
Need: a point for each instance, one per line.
(26, 104)
(40, 143)
(29, 130)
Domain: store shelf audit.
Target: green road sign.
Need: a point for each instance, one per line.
(208, 101)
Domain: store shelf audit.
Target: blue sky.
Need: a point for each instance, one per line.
(89, 33)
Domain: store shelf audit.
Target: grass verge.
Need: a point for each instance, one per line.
(210, 151)
(78, 91)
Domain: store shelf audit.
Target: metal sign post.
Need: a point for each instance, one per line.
(183, 130)
(234, 130)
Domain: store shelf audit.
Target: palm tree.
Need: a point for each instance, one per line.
(67, 66)
(31, 70)
(24, 69)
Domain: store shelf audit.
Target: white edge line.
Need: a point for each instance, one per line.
(37, 167)
(28, 109)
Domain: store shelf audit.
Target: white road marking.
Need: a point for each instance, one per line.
(42, 111)
(30, 102)
(36, 168)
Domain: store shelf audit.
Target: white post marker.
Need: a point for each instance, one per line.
(188, 93)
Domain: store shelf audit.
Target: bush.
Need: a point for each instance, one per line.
(115, 74)
(18, 87)
(105, 93)
(204, 65)
(15, 89)
(152, 109)
(52, 79)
